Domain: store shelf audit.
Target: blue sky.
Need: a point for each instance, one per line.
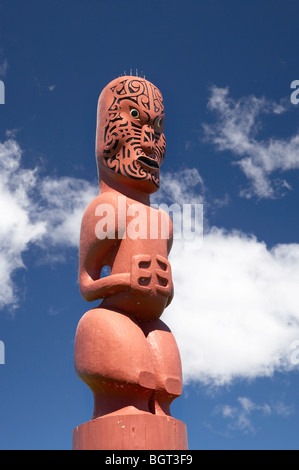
(225, 70)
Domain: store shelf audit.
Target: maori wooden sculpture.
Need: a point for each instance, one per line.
(123, 351)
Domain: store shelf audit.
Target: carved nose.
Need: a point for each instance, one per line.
(148, 140)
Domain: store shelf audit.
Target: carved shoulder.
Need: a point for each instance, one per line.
(94, 247)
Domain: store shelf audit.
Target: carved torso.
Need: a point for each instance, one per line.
(135, 252)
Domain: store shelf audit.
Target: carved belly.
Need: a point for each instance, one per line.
(140, 307)
(151, 286)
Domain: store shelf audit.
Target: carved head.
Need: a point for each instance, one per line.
(130, 142)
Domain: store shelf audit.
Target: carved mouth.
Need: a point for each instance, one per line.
(149, 162)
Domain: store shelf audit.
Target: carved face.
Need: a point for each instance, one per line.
(130, 137)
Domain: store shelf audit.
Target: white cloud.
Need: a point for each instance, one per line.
(182, 187)
(3, 68)
(17, 230)
(243, 415)
(34, 210)
(235, 311)
(236, 129)
(63, 203)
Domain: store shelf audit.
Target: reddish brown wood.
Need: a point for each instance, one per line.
(133, 432)
(123, 351)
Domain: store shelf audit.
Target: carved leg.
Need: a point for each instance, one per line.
(167, 364)
(113, 358)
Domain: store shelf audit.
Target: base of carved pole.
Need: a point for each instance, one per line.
(131, 432)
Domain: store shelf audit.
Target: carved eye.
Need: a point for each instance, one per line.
(159, 122)
(135, 113)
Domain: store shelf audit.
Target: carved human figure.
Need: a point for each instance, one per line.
(123, 351)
